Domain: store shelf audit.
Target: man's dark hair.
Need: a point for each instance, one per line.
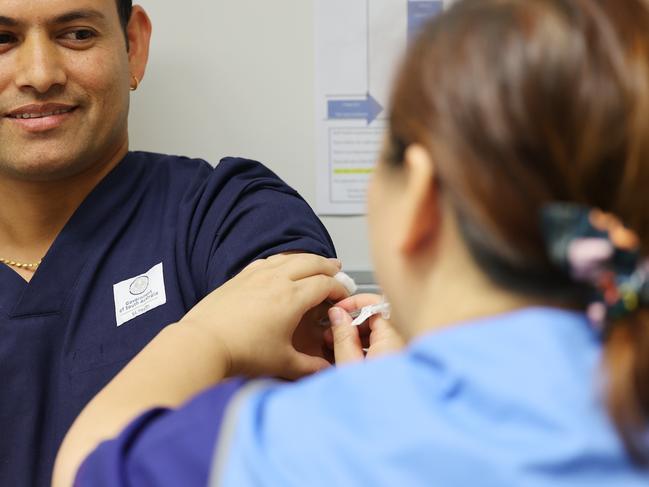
(124, 8)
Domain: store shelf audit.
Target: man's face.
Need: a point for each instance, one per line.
(64, 87)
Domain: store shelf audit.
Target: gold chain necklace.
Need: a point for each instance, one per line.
(21, 265)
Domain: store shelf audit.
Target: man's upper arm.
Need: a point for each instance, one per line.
(245, 212)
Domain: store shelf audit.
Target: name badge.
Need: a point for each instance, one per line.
(139, 294)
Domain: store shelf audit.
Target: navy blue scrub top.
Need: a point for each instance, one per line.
(152, 239)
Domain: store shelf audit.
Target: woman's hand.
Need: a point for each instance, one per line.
(352, 343)
(254, 315)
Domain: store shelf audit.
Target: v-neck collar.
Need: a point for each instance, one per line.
(61, 267)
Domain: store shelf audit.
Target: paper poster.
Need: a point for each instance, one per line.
(358, 46)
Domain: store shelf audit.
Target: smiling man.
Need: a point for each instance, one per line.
(101, 248)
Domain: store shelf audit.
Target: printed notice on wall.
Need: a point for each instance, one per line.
(358, 46)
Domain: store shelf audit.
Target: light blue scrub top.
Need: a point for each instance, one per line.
(512, 400)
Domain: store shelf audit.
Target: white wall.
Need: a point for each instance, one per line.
(236, 77)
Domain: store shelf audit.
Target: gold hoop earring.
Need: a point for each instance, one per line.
(136, 84)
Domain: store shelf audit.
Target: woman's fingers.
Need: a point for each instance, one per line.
(271, 301)
(314, 290)
(306, 265)
(357, 301)
(347, 343)
(384, 338)
(255, 264)
(299, 266)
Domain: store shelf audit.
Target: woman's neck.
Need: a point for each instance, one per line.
(447, 287)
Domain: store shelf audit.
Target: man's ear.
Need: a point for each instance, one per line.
(138, 33)
(421, 211)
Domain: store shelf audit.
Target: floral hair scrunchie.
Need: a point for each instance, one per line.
(596, 249)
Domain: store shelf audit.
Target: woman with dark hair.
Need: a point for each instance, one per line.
(510, 229)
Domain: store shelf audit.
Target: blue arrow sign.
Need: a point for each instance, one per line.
(367, 109)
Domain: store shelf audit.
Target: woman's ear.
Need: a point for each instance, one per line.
(421, 206)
